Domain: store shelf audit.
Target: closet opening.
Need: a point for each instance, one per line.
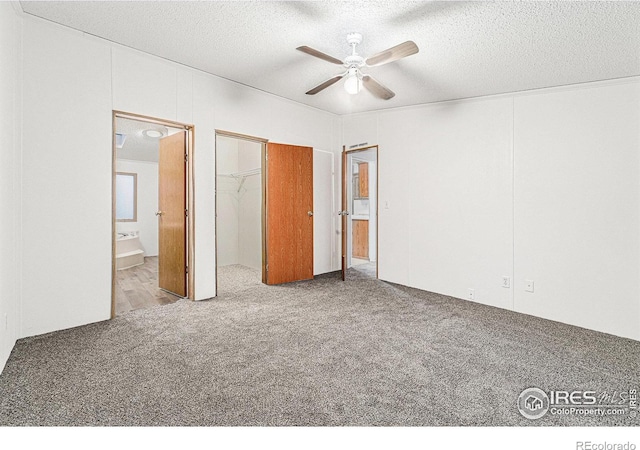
(240, 198)
(275, 219)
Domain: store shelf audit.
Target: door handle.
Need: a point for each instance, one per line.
(159, 213)
(343, 213)
(310, 213)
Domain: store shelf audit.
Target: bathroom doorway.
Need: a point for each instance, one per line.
(360, 212)
(152, 199)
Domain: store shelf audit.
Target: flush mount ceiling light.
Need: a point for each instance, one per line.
(354, 62)
(120, 138)
(154, 134)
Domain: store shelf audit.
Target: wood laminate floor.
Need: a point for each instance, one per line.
(137, 287)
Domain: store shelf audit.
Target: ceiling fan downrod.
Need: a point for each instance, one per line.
(354, 60)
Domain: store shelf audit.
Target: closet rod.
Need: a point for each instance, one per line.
(246, 173)
(242, 176)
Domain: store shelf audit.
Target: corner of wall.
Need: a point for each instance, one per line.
(17, 7)
(10, 174)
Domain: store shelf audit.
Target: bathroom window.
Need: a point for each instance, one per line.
(126, 197)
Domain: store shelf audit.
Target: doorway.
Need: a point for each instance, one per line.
(275, 183)
(360, 212)
(151, 212)
(239, 207)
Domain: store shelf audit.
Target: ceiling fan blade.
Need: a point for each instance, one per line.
(393, 54)
(319, 54)
(376, 88)
(326, 84)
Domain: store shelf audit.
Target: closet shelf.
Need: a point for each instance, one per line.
(241, 176)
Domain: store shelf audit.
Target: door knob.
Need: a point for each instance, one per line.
(310, 213)
(159, 213)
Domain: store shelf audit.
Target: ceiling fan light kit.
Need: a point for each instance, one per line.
(353, 83)
(355, 79)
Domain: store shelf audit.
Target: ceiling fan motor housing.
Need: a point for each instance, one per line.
(354, 61)
(354, 38)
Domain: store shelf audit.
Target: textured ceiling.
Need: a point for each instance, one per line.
(137, 146)
(467, 49)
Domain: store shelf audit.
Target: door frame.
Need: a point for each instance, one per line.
(263, 172)
(345, 206)
(190, 200)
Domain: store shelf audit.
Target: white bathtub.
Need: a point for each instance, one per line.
(129, 252)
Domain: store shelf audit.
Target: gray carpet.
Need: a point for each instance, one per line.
(319, 352)
(368, 269)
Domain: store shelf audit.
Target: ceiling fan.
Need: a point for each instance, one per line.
(354, 63)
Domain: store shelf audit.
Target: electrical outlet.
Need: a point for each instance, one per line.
(472, 294)
(528, 285)
(506, 282)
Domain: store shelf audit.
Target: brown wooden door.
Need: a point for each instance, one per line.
(172, 220)
(360, 238)
(289, 213)
(363, 176)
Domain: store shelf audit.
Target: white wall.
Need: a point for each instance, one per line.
(444, 194)
(66, 178)
(72, 82)
(577, 198)
(547, 177)
(10, 178)
(250, 206)
(147, 223)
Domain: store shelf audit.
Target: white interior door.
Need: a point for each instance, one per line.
(324, 233)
